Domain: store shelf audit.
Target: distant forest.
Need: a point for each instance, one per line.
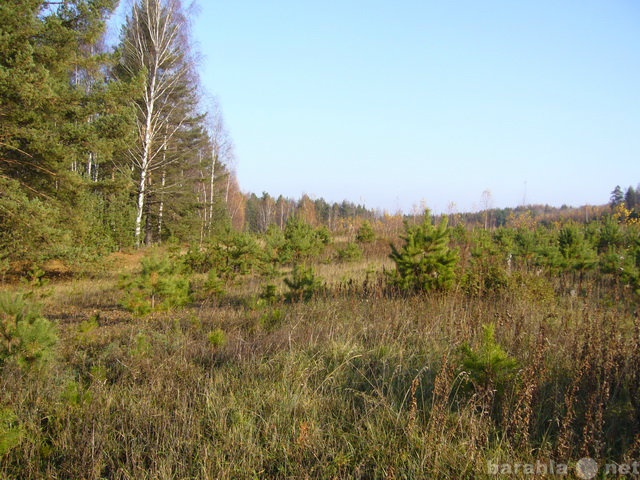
(108, 148)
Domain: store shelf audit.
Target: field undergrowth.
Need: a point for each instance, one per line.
(358, 381)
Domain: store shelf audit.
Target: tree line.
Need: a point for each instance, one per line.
(105, 147)
(110, 147)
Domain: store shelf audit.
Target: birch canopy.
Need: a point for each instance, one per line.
(156, 48)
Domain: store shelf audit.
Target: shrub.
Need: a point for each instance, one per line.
(25, 336)
(323, 235)
(160, 285)
(217, 338)
(524, 243)
(236, 253)
(229, 254)
(489, 366)
(632, 273)
(576, 253)
(214, 285)
(274, 244)
(425, 261)
(199, 259)
(351, 253)
(268, 294)
(302, 241)
(272, 319)
(610, 235)
(484, 277)
(141, 346)
(10, 431)
(490, 371)
(303, 283)
(365, 233)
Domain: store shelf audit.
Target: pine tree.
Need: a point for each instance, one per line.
(215, 174)
(365, 233)
(52, 87)
(575, 251)
(490, 368)
(25, 336)
(161, 285)
(631, 198)
(60, 112)
(425, 262)
(617, 197)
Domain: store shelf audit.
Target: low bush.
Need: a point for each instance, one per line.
(302, 241)
(217, 338)
(350, 253)
(303, 283)
(365, 233)
(160, 285)
(25, 336)
(10, 431)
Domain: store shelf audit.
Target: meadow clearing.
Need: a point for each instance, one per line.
(152, 366)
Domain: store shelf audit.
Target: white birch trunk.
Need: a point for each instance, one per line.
(161, 209)
(211, 180)
(90, 165)
(156, 43)
(146, 157)
(140, 205)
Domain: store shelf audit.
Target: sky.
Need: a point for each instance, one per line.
(406, 103)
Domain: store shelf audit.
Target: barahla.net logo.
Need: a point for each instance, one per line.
(585, 468)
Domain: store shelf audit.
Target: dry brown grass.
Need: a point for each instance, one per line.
(343, 386)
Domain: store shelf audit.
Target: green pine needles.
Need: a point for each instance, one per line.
(303, 284)
(425, 262)
(365, 233)
(25, 336)
(575, 251)
(489, 365)
(10, 431)
(161, 285)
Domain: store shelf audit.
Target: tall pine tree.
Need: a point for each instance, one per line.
(58, 110)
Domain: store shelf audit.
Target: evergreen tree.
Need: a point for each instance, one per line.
(62, 118)
(631, 198)
(617, 197)
(425, 261)
(25, 336)
(216, 171)
(575, 251)
(302, 241)
(365, 233)
(52, 86)
(252, 213)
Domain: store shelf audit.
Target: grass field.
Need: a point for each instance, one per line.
(357, 382)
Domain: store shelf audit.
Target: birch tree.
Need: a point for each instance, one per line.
(156, 47)
(220, 158)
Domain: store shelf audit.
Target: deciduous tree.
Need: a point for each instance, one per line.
(156, 45)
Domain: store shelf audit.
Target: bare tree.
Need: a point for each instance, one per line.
(266, 211)
(221, 156)
(156, 48)
(487, 203)
(235, 202)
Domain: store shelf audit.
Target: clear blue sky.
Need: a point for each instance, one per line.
(390, 103)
